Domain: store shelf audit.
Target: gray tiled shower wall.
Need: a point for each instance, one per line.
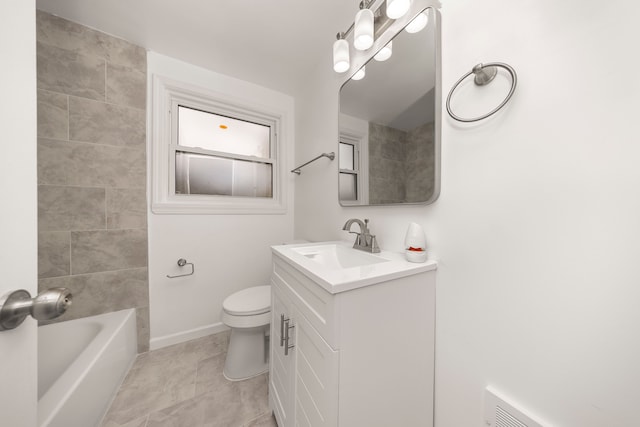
(92, 226)
(401, 164)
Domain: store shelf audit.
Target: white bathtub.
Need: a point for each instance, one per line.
(81, 364)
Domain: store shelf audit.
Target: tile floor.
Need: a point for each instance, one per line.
(183, 386)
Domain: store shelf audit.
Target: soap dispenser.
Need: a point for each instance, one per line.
(415, 244)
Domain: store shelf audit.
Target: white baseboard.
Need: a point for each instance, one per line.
(177, 338)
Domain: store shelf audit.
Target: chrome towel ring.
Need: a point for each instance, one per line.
(484, 74)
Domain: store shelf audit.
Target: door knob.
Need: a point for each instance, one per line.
(17, 305)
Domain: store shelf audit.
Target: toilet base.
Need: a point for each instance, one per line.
(248, 353)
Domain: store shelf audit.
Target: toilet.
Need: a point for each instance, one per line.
(248, 314)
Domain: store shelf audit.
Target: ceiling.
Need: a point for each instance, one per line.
(273, 43)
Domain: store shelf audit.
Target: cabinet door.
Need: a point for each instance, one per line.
(316, 376)
(281, 368)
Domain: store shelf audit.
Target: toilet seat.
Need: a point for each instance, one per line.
(248, 302)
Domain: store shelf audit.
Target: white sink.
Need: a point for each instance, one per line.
(337, 267)
(334, 256)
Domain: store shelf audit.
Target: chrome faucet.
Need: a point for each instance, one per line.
(365, 241)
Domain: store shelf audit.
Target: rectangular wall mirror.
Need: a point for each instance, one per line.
(389, 124)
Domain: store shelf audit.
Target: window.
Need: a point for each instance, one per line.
(222, 156)
(212, 155)
(348, 180)
(352, 180)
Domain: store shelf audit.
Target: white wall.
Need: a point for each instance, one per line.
(230, 252)
(537, 228)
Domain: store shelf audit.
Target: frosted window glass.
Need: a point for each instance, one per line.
(346, 156)
(216, 176)
(348, 187)
(200, 129)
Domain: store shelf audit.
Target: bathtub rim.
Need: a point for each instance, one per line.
(62, 389)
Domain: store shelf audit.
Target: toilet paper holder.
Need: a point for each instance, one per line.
(181, 263)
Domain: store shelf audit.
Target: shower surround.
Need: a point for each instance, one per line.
(92, 225)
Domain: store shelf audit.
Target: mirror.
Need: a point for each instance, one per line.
(389, 124)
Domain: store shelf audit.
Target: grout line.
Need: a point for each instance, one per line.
(138, 147)
(258, 417)
(94, 273)
(70, 259)
(98, 186)
(68, 119)
(106, 102)
(94, 230)
(106, 213)
(105, 80)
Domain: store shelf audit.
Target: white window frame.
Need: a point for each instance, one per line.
(167, 95)
(361, 166)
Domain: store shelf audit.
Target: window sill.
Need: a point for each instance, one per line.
(231, 206)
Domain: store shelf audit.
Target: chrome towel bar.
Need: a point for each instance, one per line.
(330, 155)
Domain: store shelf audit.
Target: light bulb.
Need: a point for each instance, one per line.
(359, 75)
(363, 30)
(418, 23)
(340, 56)
(385, 53)
(397, 8)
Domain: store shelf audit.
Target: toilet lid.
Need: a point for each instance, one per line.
(249, 301)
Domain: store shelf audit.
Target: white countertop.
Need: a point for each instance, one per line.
(334, 279)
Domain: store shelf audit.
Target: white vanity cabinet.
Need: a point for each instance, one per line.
(362, 355)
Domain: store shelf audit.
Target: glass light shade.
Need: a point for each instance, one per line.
(359, 75)
(363, 30)
(385, 52)
(418, 23)
(397, 8)
(340, 56)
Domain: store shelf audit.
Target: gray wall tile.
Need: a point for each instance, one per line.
(93, 251)
(92, 169)
(126, 86)
(53, 115)
(59, 32)
(119, 51)
(142, 322)
(97, 122)
(71, 73)
(71, 36)
(81, 164)
(54, 258)
(100, 293)
(71, 208)
(126, 208)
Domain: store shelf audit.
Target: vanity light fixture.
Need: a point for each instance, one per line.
(418, 23)
(341, 54)
(363, 30)
(397, 8)
(368, 24)
(385, 52)
(359, 75)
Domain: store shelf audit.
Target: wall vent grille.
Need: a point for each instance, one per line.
(504, 419)
(500, 413)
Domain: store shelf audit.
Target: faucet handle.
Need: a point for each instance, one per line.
(374, 245)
